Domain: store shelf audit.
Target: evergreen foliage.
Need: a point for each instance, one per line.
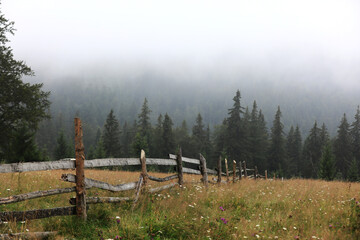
(327, 168)
(277, 153)
(355, 136)
(343, 148)
(22, 105)
(63, 148)
(111, 136)
(353, 173)
(167, 137)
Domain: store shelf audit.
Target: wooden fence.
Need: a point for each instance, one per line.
(79, 204)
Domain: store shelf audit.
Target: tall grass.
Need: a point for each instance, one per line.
(289, 209)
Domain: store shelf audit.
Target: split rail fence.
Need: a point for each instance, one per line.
(79, 204)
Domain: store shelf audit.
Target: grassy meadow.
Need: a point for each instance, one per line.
(289, 209)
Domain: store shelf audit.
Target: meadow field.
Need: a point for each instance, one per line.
(247, 209)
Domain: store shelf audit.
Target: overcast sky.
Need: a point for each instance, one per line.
(58, 37)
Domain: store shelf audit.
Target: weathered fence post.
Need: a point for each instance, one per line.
(227, 170)
(245, 172)
(80, 174)
(240, 170)
(255, 172)
(179, 167)
(143, 168)
(203, 170)
(234, 171)
(265, 174)
(219, 170)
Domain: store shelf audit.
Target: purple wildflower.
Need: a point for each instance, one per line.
(221, 208)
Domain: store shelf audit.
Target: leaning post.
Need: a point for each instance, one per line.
(80, 173)
(245, 172)
(219, 170)
(143, 168)
(227, 170)
(234, 171)
(265, 174)
(203, 170)
(179, 167)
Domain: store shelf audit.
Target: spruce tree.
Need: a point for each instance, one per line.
(167, 137)
(158, 137)
(296, 151)
(144, 121)
(312, 152)
(343, 148)
(184, 140)
(327, 168)
(111, 136)
(355, 136)
(353, 173)
(290, 139)
(198, 136)
(235, 134)
(277, 153)
(63, 149)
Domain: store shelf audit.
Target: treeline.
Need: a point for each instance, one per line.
(243, 135)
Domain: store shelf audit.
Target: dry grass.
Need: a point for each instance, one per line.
(289, 209)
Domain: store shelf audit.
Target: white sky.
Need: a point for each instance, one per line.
(59, 36)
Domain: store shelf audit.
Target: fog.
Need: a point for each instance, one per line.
(280, 39)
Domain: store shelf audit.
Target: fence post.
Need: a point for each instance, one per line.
(143, 167)
(227, 170)
(240, 170)
(265, 174)
(179, 167)
(219, 170)
(80, 174)
(245, 172)
(234, 171)
(255, 172)
(203, 170)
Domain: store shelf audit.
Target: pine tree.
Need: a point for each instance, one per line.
(158, 137)
(312, 152)
(355, 136)
(290, 139)
(111, 136)
(296, 151)
(353, 173)
(184, 140)
(198, 136)
(168, 137)
(63, 149)
(343, 148)
(327, 168)
(144, 121)
(277, 153)
(235, 134)
(23, 147)
(246, 150)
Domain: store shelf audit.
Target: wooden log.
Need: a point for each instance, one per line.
(80, 173)
(245, 170)
(70, 164)
(95, 200)
(168, 178)
(191, 171)
(28, 235)
(203, 170)
(37, 214)
(210, 171)
(143, 168)
(37, 194)
(234, 171)
(98, 184)
(180, 168)
(37, 166)
(227, 170)
(219, 170)
(158, 189)
(265, 174)
(138, 190)
(240, 170)
(185, 159)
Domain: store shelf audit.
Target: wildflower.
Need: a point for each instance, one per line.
(284, 228)
(297, 237)
(224, 220)
(221, 208)
(257, 236)
(191, 206)
(118, 219)
(330, 226)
